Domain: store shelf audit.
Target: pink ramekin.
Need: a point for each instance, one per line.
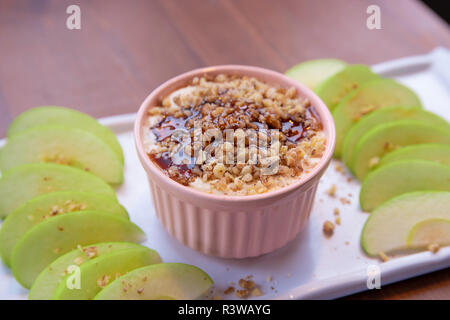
(233, 226)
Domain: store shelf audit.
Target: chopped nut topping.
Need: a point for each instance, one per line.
(337, 220)
(229, 290)
(433, 247)
(103, 281)
(242, 294)
(332, 191)
(236, 106)
(246, 284)
(345, 201)
(383, 256)
(336, 211)
(78, 260)
(328, 228)
(256, 292)
(339, 168)
(90, 252)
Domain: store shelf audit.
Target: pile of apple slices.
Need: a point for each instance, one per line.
(399, 151)
(63, 136)
(65, 235)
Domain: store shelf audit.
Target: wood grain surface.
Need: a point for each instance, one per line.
(126, 48)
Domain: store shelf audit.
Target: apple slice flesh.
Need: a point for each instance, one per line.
(389, 226)
(431, 231)
(429, 151)
(401, 177)
(54, 115)
(370, 96)
(54, 237)
(387, 137)
(97, 273)
(28, 181)
(48, 280)
(63, 145)
(47, 206)
(335, 88)
(311, 73)
(382, 116)
(176, 280)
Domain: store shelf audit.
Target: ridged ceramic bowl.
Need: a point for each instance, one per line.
(233, 226)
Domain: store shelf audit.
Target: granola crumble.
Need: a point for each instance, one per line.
(285, 127)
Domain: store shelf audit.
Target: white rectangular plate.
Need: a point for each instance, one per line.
(311, 266)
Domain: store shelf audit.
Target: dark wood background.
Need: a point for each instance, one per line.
(126, 48)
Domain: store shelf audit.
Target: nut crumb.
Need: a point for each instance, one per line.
(336, 211)
(383, 256)
(90, 252)
(339, 168)
(337, 220)
(332, 191)
(242, 294)
(256, 292)
(229, 290)
(103, 281)
(328, 228)
(433, 247)
(345, 201)
(246, 284)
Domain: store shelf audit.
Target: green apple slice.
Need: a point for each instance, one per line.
(431, 231)
(387, 137)
(335, 88)
(48, 280)
(401, 177)
(176, 280)
(47, 206)
(429, 151)
(312, 72)
(96, 274)
(63, 145)
(54, 237)
(382, 116)
(20, 184)
(388, 229)
(53, 115)
(370, 96)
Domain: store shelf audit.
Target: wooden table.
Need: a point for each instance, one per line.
(126, 48)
